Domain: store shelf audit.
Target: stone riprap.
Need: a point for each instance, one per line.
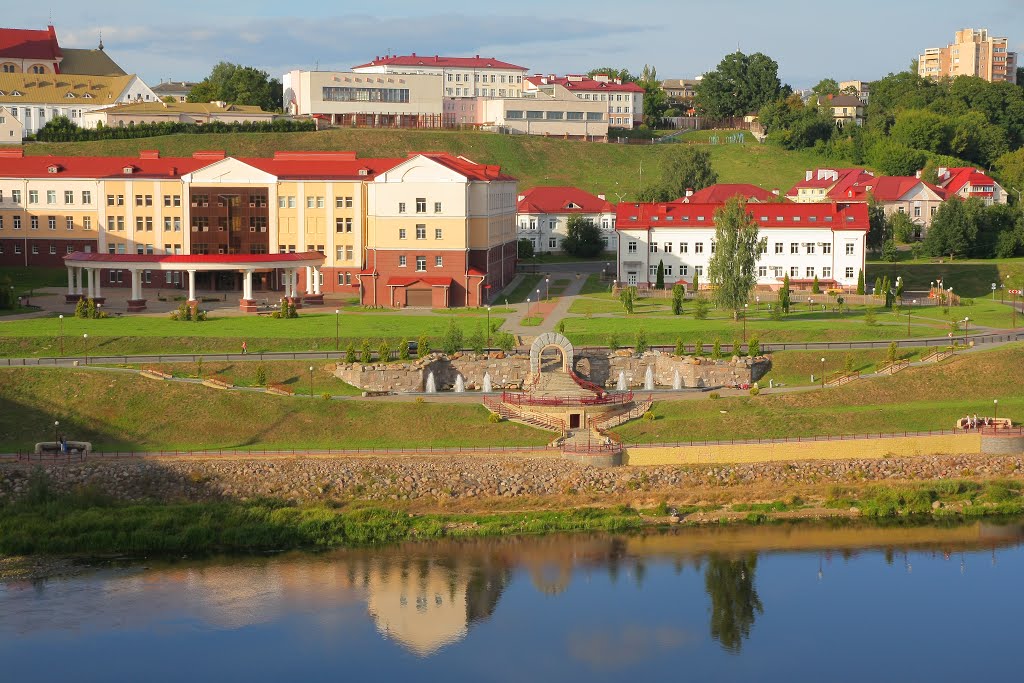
(467, 477)
(510, 371)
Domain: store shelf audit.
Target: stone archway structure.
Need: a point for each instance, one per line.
(545, 342)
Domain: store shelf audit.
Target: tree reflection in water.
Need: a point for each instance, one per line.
(734, 602)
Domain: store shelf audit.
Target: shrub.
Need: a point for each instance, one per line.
(698, 347)
(384, 351)
(869, 317)
(451, 343)
(714, 396)
(199, 367)
(365, 355)
(506, 341)
(403, 350)
(80, 309)
(680, 347)
(678, 295)
(754, 347)
(755, 390)
(891, 354)
(815, 286)
(650, 416)
(848, 366)
(494, 418)
(261, 375)
(737, 347)
(561, 327)
(422, 346)
(613, 342)
(716, 349)
(641, 341)
(777, 312)
(700, 309)
(350, 352)
(477, 340)
(326, 396)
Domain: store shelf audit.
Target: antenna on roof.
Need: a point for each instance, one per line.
(101, 40)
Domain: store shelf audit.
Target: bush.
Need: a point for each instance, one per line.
(422, 346)
(451, 343)
(261, 375)
(777, 312)
(714, 396)
(477, 340)
(641, 341)
(505, 341)
(737, 347)
(700, 309)
(680, 347)
(326, 396)
(698, 347)
(384, 351)
(815, 286)
(650, 417)
(350, 352)
(61, 129)
(755, 390)
(525, 248)
(869, 317)
(716, 349)
(494, 418)
(613, 342)
(754, 347)
(891, 355)
(403, 350)
(365, 355)
(80, 309)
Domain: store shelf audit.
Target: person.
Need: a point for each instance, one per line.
(245, 348)
(63, 445)
(975, 420)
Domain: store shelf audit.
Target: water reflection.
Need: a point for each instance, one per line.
(603, 602)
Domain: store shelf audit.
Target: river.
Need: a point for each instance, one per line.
(775, 603)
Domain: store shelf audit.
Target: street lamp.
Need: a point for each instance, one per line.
(745, 306)
(337, 329)
(311, 381)
(547, 289)
(527, 307)
(967, 324)
(61, 316)
(758, 303)
(823, 373)
(538, 299)
(56, 439)
(993, 291)
(488, 327)
(85, 337)
(908, 318)
(995, 407)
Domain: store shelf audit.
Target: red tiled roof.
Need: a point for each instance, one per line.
(722, 192)
(884, 189)
(679, 215)
(585, 84)
(467, 167)
(86, 257)
(406, 280)
(959, 177)
(476, 272)
(476, 62)
(16, 43)
(97, 167)
(843, 177)
(559, 199)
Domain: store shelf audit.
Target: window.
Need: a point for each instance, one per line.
(552, 242)
(51, 222)
(421, 264)
(257, 223)
(826, 248)
(69, 196)
(631, 247)
(401, 207)
(794, 247)
(319, 202)
(87, 223)
(652, 270)
(849, 248)
(33, 196)
(698, 270)
(401, 233)
(437, 207)
(698, 247)
(167, 200)
(421, 205)
(16, 196)
(668, 247)
(654, 247)
(668, 269)
(282, 202)
(17, 223)
(200, 224)
(291, 202)
(110, 200)
(138, 222)
(794, 271)
(343, 225)
(849, 273)
(51, 196)
(421, 232)
(762, 271)
(439, 262)
(34, 222)
(810, 247)
(86, 197)
(810, 272)
(138, 200)
(401, 261)
(35, 248)
(69, 222)
(120, 200)
(438, 232)
(826, 271)
(712, 246)
(70, 249)
(684, 247)
(167, 224)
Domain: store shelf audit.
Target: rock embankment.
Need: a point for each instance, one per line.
(469, 478)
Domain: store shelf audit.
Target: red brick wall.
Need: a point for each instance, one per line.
(44, 259)
(386, 263)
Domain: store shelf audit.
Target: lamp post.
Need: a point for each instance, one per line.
(311, 381)
(61, 316)
(823, 373)
(538, 300)
(547, 289)
(745, 306)
(527, 307)
(993, 291)
(85, 338)
(908, 318)
(995, 408)
(758, 304)
(967, 324)
(488, 327)
(56, 439)
(337, 329)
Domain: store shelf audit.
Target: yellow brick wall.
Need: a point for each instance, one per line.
(805, 450)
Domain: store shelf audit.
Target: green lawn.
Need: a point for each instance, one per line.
(595, 285)
(794, 368)
(311, 331)
(921, 398)
(971, 278)
(25, 280)
(292, 374)
(534, 160)
(527, 287)
(126, 411)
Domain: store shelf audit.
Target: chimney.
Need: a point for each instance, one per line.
(478, 56)
(776, 192)
(689, 192)
(601, 197)
(918, 175)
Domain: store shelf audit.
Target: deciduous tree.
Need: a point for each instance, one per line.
(732, 269)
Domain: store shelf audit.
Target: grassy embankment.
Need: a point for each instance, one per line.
(148, 334)
(596, 168)
(916, 399)
(972, 278)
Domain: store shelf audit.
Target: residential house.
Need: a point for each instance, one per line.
(373, 99)
(680, 91)
(896, 194)
(973, 52)
(625, 101)
(30, 51)
(968, 183)
(859, 89)
(176, 90)
(11, 130)
(723, 192)
(827, 184)
(804, 241)
(844, 109)
(542, 216)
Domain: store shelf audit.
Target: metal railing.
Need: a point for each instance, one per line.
(984, 431)
(524, 399)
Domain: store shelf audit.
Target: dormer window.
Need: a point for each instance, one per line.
(70, 96)
(53, 169)
(15, 93)
(128, 170)
(87, 96)
(573, 205)
(363, 171)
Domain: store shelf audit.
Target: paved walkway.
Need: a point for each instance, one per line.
(553, 310)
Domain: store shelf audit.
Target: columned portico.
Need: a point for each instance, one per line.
(73, 286)
(136, 303)
(247, 303)
(192, 286)
(313, 296)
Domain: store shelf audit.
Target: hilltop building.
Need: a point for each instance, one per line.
(970, 183)
(973, 52)
(176, 90)
(542, 215)
(625, 101)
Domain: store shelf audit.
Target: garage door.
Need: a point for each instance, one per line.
(418, 298)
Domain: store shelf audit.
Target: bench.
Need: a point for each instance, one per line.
(986, 423)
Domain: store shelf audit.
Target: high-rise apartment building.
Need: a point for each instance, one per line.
(972, 53)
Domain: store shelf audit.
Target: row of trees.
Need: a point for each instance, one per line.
(62, 129)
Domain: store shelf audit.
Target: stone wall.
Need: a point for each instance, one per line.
(509, 372)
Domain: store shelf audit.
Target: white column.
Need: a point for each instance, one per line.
(79, 276)
(316, 280)
(96, 292)
(71, 281)
(293, 282)
(191, 285)
(309, 280)
(136, 284)
(90, 285)
(247, 285)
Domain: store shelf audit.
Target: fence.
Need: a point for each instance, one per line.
(518, 399)
(984, 431)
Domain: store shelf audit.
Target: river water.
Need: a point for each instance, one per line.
(778, 603)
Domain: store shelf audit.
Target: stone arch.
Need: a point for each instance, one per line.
(547, 341)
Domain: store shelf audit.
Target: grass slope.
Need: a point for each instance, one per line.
(127, 412)
(921, 398)
(534, 160)
(971, 278)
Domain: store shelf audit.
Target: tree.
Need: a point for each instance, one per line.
(878, 225)
(739, 85)
(816, 286)
(655, 100)
(860, 282)
(1010, 172)
(732, 269)
(889, 251)
(678, 296)
(784, 295)
(237, 84)
(627, 295)
(902, 228)
(659, 282)
(954, 229)
(524, 248)
(892, 158)
(826, 87)
(583, 237)
(684, 168)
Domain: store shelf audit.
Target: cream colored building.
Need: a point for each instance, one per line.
(973, 52)
(137, 113)
(370, 98)
(35, 99)
(461, 76)
(11, 129)
(552, 110)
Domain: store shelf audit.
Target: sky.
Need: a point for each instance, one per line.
(810, 39)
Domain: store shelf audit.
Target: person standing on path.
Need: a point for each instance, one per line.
(245, 348)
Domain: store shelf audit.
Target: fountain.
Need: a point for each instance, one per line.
(621, 384)
(460, 384)
(677, 381)
(649, 379)
(487, 383)
(431, 385)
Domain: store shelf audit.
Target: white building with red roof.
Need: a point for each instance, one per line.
(804, 241)
(827, 184)
(461, 76)
(542, 216)
(970, 183)
(722, 192)
(625, 101)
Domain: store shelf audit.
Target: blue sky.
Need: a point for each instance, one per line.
(810, 39)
